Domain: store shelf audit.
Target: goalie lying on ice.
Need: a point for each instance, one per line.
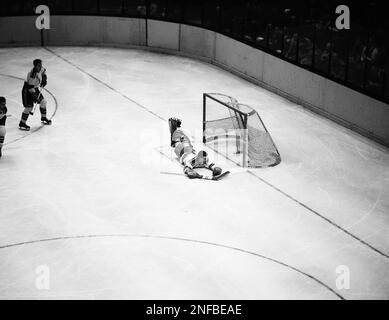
(188, 157)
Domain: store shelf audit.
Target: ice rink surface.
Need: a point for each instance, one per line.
(93, 205)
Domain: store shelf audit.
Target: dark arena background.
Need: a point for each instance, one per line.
(290, 99)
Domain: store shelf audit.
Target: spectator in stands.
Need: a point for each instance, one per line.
(374, 60)
(306, 51)
(324, 55)
(291, 46)
(370, 53)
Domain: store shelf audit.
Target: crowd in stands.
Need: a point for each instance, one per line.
(302, 32)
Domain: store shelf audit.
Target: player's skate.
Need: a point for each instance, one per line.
(46, 121)
(23, 126)
(174, 123)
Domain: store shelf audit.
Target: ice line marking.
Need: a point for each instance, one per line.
(40, 127)
(164, 172)
(267, 183)
(171, 173)
(319, 215)
(199, 242)
(106, 84)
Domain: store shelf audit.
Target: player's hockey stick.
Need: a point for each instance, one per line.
(215, 178)
(35, 103)
(206, 177)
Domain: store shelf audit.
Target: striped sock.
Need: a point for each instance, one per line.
(43, 112)
(24, 117)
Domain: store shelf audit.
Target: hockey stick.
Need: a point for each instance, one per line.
(215, 178)
(202, 177)
(35, 103)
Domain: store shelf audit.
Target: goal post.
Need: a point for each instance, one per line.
(237, 131)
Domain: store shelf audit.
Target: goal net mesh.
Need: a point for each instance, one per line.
(237, 131)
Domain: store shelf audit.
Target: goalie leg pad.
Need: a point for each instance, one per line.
(200, 160)
(179, 136)
(186, 159)
(183, 148)
(191, 174)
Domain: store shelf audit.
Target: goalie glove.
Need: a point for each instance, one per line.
(191, 173)
(216, 171)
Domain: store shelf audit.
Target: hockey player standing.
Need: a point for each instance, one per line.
(3, 119)
(31, 93)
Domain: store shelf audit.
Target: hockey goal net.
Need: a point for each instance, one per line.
(237, 132)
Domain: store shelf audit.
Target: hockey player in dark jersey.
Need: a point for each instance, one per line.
(186, 154)
(31, 93)
(3, 119)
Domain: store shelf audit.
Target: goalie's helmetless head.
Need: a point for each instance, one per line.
(2, 101)
(37, 64)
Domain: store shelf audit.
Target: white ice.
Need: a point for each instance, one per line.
(92, 200)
